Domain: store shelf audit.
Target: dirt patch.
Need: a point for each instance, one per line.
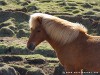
(6, 32)
(38, 67)
(11, 58)
(36, 72)
(46, 53)
(87, 5)
(7, 70)
(36, 61)
(19, 16)
(21, 70)
(3, 3)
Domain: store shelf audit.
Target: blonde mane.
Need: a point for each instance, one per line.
(59, 30)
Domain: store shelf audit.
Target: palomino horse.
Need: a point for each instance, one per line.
(75, 49)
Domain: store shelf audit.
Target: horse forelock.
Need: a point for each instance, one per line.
(59, 30)
(35, 16)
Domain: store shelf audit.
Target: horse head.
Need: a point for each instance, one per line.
(37, 34)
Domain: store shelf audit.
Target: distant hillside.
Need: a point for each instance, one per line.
(14, 14)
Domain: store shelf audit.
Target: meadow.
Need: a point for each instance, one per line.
(14, 32)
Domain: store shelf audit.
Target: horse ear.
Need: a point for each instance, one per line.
(39, 19)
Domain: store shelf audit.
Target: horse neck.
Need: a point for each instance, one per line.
(57, 46)
(53, 43)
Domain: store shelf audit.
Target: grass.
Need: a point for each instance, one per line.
(18, 24)
(52, 59)
(3, 48)
(18, 46)
(11, 6)
(44, 46)
(27, 69)
(74, 7)
(38, 56)
(5, 31)
(50, 7)
(32, 56)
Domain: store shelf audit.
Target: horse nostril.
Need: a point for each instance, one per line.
(31, 46)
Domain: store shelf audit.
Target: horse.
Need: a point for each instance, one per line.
(75, 48)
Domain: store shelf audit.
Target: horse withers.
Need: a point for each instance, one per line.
(75, 48)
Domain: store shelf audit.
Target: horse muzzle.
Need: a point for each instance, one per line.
(31, 46)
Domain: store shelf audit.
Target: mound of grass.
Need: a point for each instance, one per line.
(87, 5)
(20, 17)
(19, 49)
(3, 2)
(42, 1)
(89, 13)
(22, 33)
(79, 3)
(52, 60)
(31, 7)
(6, 32)
(22, 25)
(36, 56)
(35, 71)
(7, 70)
(72, 4)
(7, 23)
(71, 7)
(9, 58)
(50, 7)
(12, 27)
(13, 49)
(3, 48)
(4, 24)
(36, 59)
(96, 9)
(76, 11)
(46, 53)
(45, 49)
(21, 69)
(0, 8)
(61, 4)
(24, 3)
(94, 3)
(28, 70)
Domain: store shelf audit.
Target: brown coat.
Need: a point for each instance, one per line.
(75, 49)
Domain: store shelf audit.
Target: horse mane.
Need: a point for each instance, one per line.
(58, 29)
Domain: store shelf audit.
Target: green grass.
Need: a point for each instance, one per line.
(50, 7)
(90, 1)
(32, 56)
(11, 6)
(73, 7)
(38, 56)
(19, 46)
(3, 48)
(52, 59)
(45, 46)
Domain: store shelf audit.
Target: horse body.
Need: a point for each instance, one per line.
(82, 53)
(75, 49)
(92, 53)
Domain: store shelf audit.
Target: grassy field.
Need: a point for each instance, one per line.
(14, 31)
